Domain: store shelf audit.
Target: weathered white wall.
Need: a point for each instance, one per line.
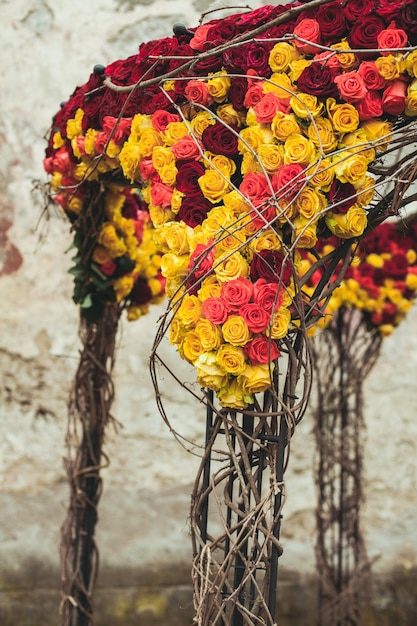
(49, 47)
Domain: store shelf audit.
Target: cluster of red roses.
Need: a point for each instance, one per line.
(382, 281)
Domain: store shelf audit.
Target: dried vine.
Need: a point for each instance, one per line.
(344, 354)
(89, 415)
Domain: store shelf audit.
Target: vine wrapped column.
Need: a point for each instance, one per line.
(344, 354)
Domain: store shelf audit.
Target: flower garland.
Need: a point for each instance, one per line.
(382, 280)
(247, 150)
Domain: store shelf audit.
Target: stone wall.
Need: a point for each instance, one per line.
(47, 49)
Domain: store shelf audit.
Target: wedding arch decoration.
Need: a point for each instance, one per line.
(374, 297)
(251, 138)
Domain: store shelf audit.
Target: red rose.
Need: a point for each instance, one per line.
(187, 178)
(186, 148)
(256, 318)
(198, 42)
(370, 75)
(141, 292)
(258, 58)
(221, 31)
(201, 260)
(264, 214)
(254, 95)
(370, 106)
(108, 268)
(266, 108)
(237, 93)
(270, 264)
(364, 34)
(407, 19)
(220, 139)
(389, 9)
(288, 180)
(262, 351)
(351, 86)
(342, 196)
(267, 295)
(357, 9)
(237, 292)
(255, 187)
(317, 80)
(161, 118)
(259, 16)
(197, 91)
(193, 210)
(119, 129)
(234, 59)
(147, 170)
(332, 22)
(212, 63)
(120, 71)
(394, 96)
(215, 310)
(392, 38)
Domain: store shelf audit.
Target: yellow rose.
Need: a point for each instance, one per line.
(411, 100)
(322, 174)
(112, 150)
(411, 281)
(123, 286)
(230, 116)
(129, 157)
(357, 143)
(250, 163)
(280, 323)
(57, 140)
(209, 334)
(235, 331)
(280, 84)
(375, 260)
(271, 157)
(214, 185)
(305, 233)
(209, 372)
(411, 63)
(350, 169)
(347, 60)
(235, 202)
(161, 157)
(160, 216)
(200, 122)
(350, 224)
(233, 396)
(283, 125)
(139, 123)
(321, 133)
(101, 255)
(310, 202)
(190, 310)
(286, 211)
(210, 288)
(149, 139)
(75, 125)
(306, 106)
(267, 240)
(90, 141)
(231, 358)
(299, 149)
(218, 86)
(176, 331)
(174, 265)
(297, 67)
(252, 137)
(344, 117)
(255, 378)
(281, 56)
(75, 205)
(109, 238)
(191, 346)
(378, 132)
(229, 266)
(227, 243)
(173, 238)
(365, 191)
(411, 256)
(175, 131)
(389, 66)
(223, 163)
(218, 220)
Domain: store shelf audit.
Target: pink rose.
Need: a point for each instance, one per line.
(186, 148)
(288, 180)
(215, 310)
(201, 260)
(370, 75)
(309, 30)
(393, 98)
(370, 106)
(147, 170)
(161, 194)
(198, 42)
(266, 108)
(256, 318)
(62, 162)
(391, 39)
(254, 95)
(262, 351)
(329, 59)
(237, 292)
(119, 129)
(255, 187)
(161, 119)
(267, 295)
(351, 86)
(197, 91)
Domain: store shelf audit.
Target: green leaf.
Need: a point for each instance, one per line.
(87, 303)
